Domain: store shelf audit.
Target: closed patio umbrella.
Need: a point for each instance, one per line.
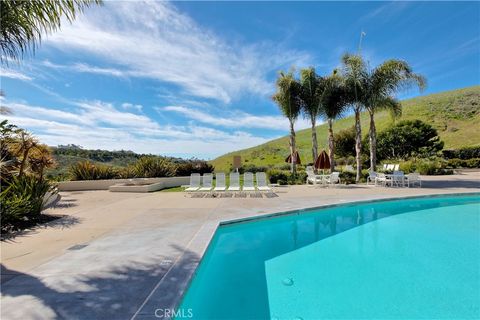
(322, 162)
(296, 158)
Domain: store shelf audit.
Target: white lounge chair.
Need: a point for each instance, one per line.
(220, 182)
(390, 167)
(194, 182)
(262, 184)
(333, 178)
(385, 166)
(207, 181)
(248, 182)
(312, 177)
(414, 179)
(234, 182)
(396, 167)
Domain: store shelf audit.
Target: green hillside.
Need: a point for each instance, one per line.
(455, 114)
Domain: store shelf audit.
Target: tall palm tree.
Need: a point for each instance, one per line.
(311, 89)
(288, 99)
(355, 74)
(24, 21)
(382, 83)
(334, 103)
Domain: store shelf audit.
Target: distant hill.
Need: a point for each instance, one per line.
(455, 114)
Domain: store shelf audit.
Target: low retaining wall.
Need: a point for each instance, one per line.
(124, 185)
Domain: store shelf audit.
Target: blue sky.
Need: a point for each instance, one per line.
(195, 78)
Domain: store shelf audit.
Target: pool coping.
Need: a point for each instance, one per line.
(169, 291)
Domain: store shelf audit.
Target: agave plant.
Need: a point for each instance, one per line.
(85, 170)
(22, 198)
(153, 167)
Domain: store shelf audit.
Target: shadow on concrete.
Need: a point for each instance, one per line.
(111, 294)
(52, 221)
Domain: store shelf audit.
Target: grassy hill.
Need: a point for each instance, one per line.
(455, 114)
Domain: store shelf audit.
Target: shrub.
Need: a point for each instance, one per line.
(473, 163)
(85, 170)
(408, 166)
(345, 142)
(463, 153)
(347, 177)
(154, 167)
(408, 138)
(22, 199)
(252, 168)
(274, 175)
(194, 166)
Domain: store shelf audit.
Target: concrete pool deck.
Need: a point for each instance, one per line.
(122, 256)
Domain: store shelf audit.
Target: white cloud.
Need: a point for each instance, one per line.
(237, 119)
(12, 74)
(131, 106)
(97, 124)
(154, 40)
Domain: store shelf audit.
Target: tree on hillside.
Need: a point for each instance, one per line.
(408, 138)
(334, 102)
(311, 90)
(381, 84)
(24, 21)
(355, 74)
(287, 98)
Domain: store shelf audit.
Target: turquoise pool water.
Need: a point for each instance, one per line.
(404, 259)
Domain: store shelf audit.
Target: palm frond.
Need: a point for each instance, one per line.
(24, 22)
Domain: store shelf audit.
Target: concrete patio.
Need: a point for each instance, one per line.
(122, 256)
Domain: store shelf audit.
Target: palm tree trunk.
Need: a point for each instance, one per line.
(331, 145)
(314, 140)
(358, 143)
(373, 142)
(292, 148)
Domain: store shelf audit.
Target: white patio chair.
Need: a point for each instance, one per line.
(220, 182)
(372, 177)
(414, 179)
(333, 179)
(248, 182)
(194, 182)
(262, 184)
(207, 182)
(312, 177)
(381, 179)
(234, 182)
(398, 179)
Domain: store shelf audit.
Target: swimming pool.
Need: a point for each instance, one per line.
(410, 258)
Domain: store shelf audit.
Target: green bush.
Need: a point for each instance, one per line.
(408, 166)
(194, 166)
(473, 163)
(22, 199)
(85, 170)
(154, 167)
(274, 175)
(347, 177)
(463, 153)
(252, 168)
